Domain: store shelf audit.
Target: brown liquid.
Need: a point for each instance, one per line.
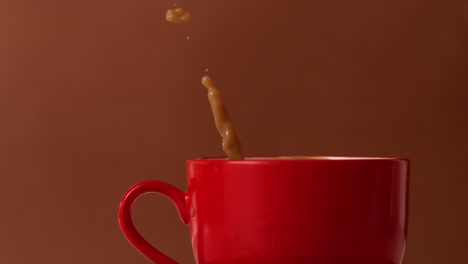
(178, 15)
(231, 145)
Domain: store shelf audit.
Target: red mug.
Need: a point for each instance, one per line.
(272, 210)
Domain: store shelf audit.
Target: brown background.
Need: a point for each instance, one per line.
(96, 95)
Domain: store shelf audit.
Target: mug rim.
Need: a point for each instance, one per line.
(298, 158)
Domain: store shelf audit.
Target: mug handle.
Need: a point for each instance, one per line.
(125, 216)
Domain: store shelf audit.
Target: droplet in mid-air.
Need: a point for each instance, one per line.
(178, 15)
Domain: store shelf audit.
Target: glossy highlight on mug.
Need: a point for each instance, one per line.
(306, 157)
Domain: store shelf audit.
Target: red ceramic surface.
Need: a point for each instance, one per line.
(341, 210)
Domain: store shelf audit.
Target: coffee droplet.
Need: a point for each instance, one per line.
(178, 15)
(231, 145)
(188, 37)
